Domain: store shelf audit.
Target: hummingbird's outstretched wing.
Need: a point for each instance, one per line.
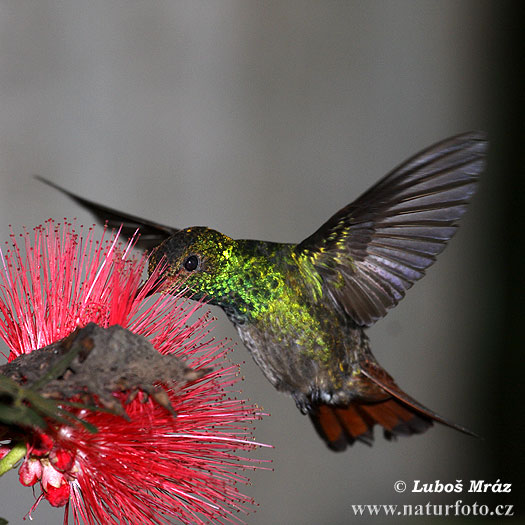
(373, 250)
(151, 233)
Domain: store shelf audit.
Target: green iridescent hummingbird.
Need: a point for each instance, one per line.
(302, 309)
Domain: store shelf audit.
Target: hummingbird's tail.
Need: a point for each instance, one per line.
(399, 414)
(341, 426)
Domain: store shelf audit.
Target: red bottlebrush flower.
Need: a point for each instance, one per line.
(151, 466)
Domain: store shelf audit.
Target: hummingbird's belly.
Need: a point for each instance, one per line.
(307, 365)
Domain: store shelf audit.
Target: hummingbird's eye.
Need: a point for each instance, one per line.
(191, 263)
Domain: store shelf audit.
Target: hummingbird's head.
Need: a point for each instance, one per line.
(202, 258)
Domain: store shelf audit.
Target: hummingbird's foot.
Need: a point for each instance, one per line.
(302, 402)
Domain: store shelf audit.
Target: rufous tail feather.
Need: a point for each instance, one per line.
(399, 415)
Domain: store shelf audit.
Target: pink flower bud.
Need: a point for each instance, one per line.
(51, 477)
(30, 472)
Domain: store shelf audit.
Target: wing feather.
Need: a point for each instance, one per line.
(151, 233)
(373, 250)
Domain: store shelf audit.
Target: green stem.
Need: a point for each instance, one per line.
(12, 458)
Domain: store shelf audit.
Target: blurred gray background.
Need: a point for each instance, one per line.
(261, 119)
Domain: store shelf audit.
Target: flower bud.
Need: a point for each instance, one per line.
(30, 472)
(61, 459)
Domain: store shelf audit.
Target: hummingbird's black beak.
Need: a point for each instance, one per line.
(146, 290)
(150, 286)
(141, 288)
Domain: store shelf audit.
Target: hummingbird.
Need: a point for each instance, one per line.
(302, 310)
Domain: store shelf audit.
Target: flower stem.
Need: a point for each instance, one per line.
(12, 458)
